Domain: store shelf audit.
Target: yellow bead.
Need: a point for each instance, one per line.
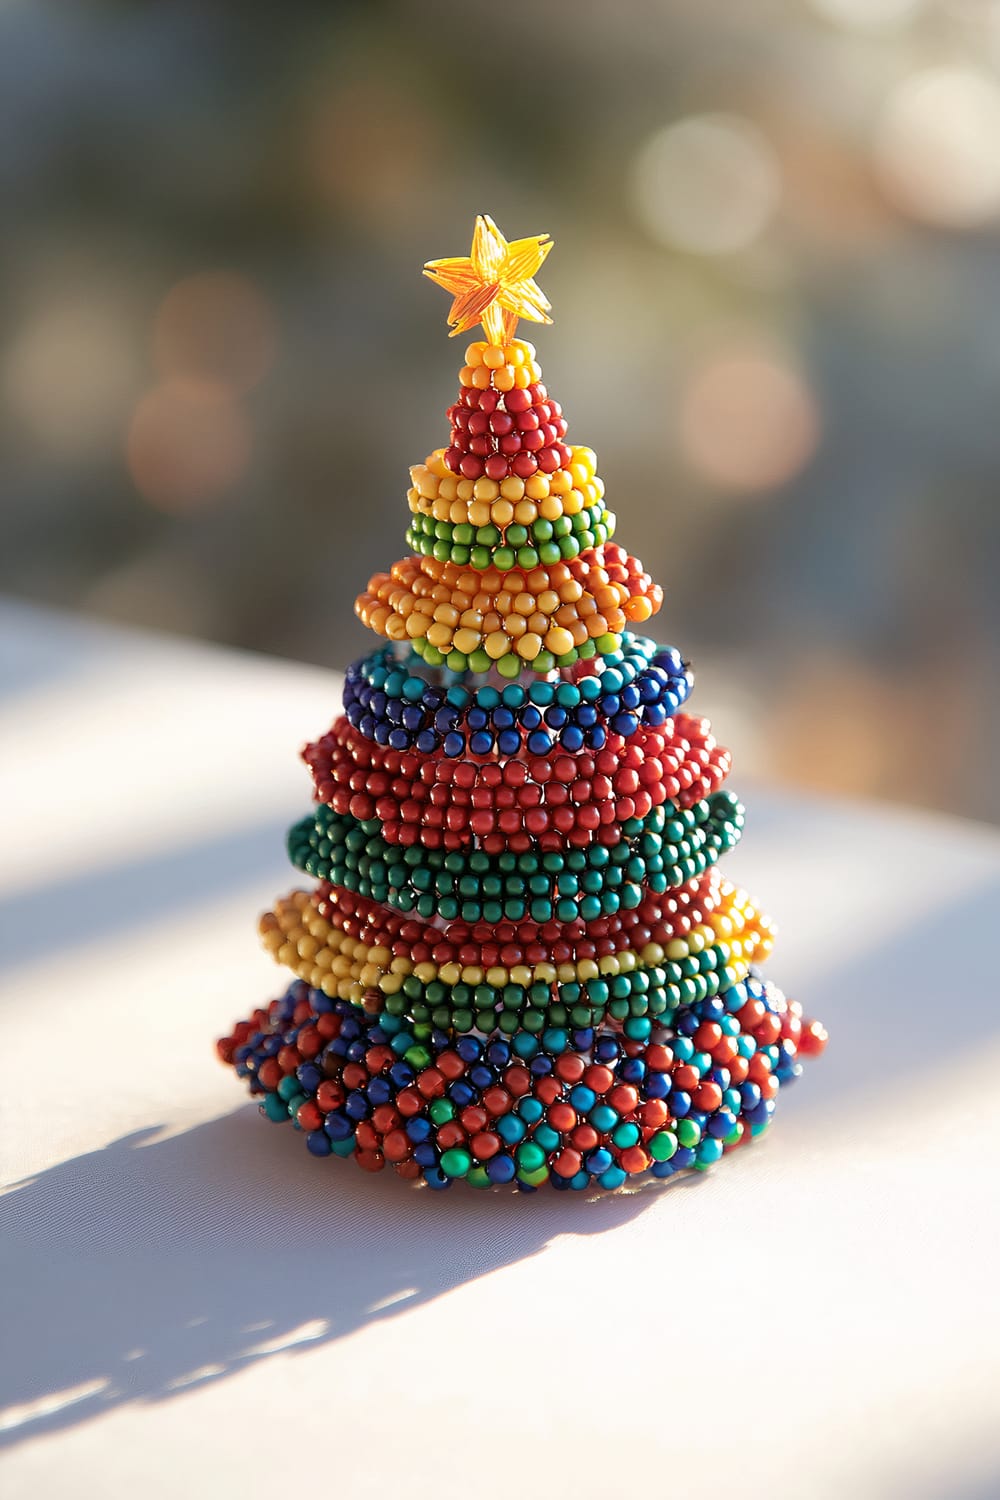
(524, 603)
(493, 356)
(550, 507)
(439, 635)
(458, 512)
(501, 512)
(481, 377)
(496, 645)
(548, 601)
(525, 511)
(560, 483)
(478, 513)
(466, 641)
(516, 625)
(522, 377)
(572, 503)
(559, 641)
(448, 488)
(537, 486)
(505, 379)
(512, 488)
(485, 489)
(514, 353)
(474, 354)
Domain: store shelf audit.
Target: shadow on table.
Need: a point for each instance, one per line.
(155, 1265)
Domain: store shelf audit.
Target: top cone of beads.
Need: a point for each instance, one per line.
(520, 963)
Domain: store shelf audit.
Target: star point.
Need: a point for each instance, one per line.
(495, 284)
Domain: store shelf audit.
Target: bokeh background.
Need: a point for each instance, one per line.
(776, 287)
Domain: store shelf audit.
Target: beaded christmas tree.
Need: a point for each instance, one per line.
(520, 963)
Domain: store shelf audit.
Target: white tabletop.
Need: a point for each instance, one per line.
(194, 1304)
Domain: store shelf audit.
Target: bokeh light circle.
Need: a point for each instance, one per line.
(215, 324)
(708, 183)
(748, 421)
(188, 442)
(937, 147)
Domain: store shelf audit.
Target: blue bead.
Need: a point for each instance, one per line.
(481, 743)
(498, 1053)
(469, 1048)
(658, 1085)
(337, 1126)
(530, 717)
(454, 744)
(561, 1184)
(539, 742)
(425, 1154)
(596, 738)
(586, 715)
(501, 1169)
(541, 1066)
(482, 1076)
(419, 1129)
(309, 1076)
(531, 1110)
(582, 1098)
(462, 1094)
(426, 741)
(598, 1161)
(572, 738)
(436, 1179)
(663, 1168)
(721, 1123)
(357, 1105)
(612, 1178)
(624, 724)
(556, 717)
(476, 718)
(633, 1070)
(379, 1091)
(680, 1104)
(318, 1142)
(508, 742)
(502, 718)
(607, 1049)
(583, 1039)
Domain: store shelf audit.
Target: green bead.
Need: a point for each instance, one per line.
(509, 666)
(530, 1157)
(456, 1162)
(480, 662)
(441, 1110)
(688, 1133)
(418, 1058)
(480, 558)
(535, 1178)
(478, 1177)
(663, 1145)
(503, 559)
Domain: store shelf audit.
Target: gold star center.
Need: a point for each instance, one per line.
(495, 284)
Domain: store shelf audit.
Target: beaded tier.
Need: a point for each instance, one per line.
(519, 962)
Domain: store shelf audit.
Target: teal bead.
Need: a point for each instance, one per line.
(275, 1108)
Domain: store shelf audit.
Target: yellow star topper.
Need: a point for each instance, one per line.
(495, 284)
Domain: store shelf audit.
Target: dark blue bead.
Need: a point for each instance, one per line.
(596, 737)
(482, 1076)
(530, 716)
(394, 711)
(539, 743)
(680, 1104)
(339, 1047)
(682, 1157)
(469, 1048)
(357, 1105)
(382, 732)
(399, 739)
(425, 1154)
(607, 1049)
(462, 1094)
(508, 742)
(664, 1168)
(658, 1085)
(419, 1129)
(556, 716)
(320, 1003)
(272, 1046)
(503, 718)
(477, 718)
(318, 1142)
(561, 1184)
(309, 1076)
(481, 743)
(498, 1053)
(630, 696)
(337, 1126)
(454, 744)
(349, 1029)
(413, 716)
(380, 1091)
(378, 705)
(633, 1070)
(541, 1066)
(426, 741)
(721, 1123)
(625, 724)
(445, 719)
(241, 1054)
(586, 715)
(572, 738)
(356, 1051)
(401, 1074)
(501, 1169)
(583, 1040)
